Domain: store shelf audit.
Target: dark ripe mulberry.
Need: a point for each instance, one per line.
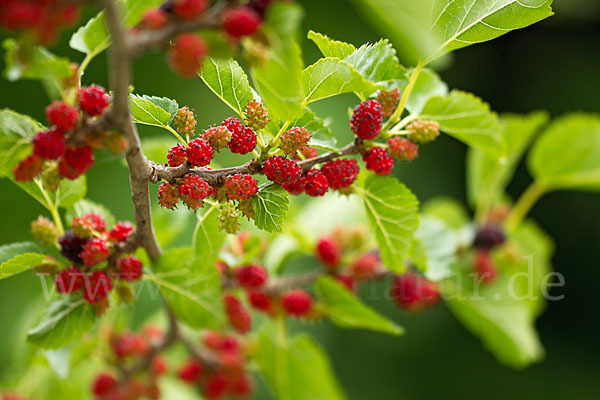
(71, 246)
(489, 236)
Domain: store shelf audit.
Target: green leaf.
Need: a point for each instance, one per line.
(16, 132)
(428, 84)
(331, 48)
(448, 210)
(296, 368)
(71, 191)
(228, 81)
(192, 288)
(468, 119)
(93, 38)
(85, 206)
(437, 245)
(378, 62)
(34, 62)
(169, 224)
(208, 237)
(270, 206)
(347, 311)
(392, 210)
(18, 257)
(278, 81)
(461, 23)
(567, 154)
(65, 321)
(487, 177)
(330, 77)
(155, 111)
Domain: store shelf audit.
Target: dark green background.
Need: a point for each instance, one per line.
(553, 65)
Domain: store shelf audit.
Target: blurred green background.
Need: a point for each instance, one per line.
(553, 65)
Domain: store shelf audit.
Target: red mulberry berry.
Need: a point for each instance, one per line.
(389, 101)
(130, 269)
(329, 252)
(315, 183)
(159, 366)
(293, 140)
(190, 9)
(403, 149)
(85, 226)
(306, 152)
(251, 276)
(423, 131)
(241, 387)
(297, 187)
(75, 162)
(69, 280)
(49, 145)
(187, 54)
(240, 187)
(240, 21)
(238, 316)
(366, 120)
(488, 237)
(366, 266)
(97, 286)
(340, 173)
(484, 266)
(177, 155)
(62, 116)
(256, 116)
(155, 19)
(297, 302)
(28, 168)
(120, 232)
(191, 371)
(104, 384)
(413, 293)
(128, 345)
(168, 195)
(71, 246)
(281, 170)
(95, 252)
(261, 301)
(199, 152)
(348, 281)
(185, 122)
(193, 190)
(243, 139)
(215, 386)
(93, 100)
(218, 137)
(379, 161)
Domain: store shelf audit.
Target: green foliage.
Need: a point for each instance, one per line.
(69, 192)
(66, 320)
(467, 118)
(208, 237)
(85, 206)
(270, 206)
(16, 132)
(332, 76)
(331, 48)
(393, 214)
(435, 248)
(347, 311)
(322, 136)
(295, 368)
(488, 176)
(428, 84)
(151, 110)
(169, 224)
(378, 62)
(192, 288)
(229, 82)
(567, 154)
(18, 257)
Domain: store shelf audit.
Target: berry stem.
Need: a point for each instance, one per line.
(177, 135)
(281, 132)
(411, 85)
(524, 205)
(390, 134)
(52, 207)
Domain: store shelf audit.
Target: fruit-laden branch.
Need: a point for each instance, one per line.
(215, 176)
(147, 38)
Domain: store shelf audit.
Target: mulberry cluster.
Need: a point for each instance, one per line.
(293, 140)
(185, 122)
(378, 160)
(128, 348)
(340, 173)
(423, 131)
(52, 153)
(88, 244)
(42, 19)
(191, 189)
(389, 101)
(413, 292)
(403, 149)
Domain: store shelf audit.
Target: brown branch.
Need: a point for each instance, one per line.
(148, 38)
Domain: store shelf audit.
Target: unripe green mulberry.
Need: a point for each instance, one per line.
(185, 122)
(256, 116)
(44, 231)
(51, 178)
(247, 208)
(230, 220)
(423, 131)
